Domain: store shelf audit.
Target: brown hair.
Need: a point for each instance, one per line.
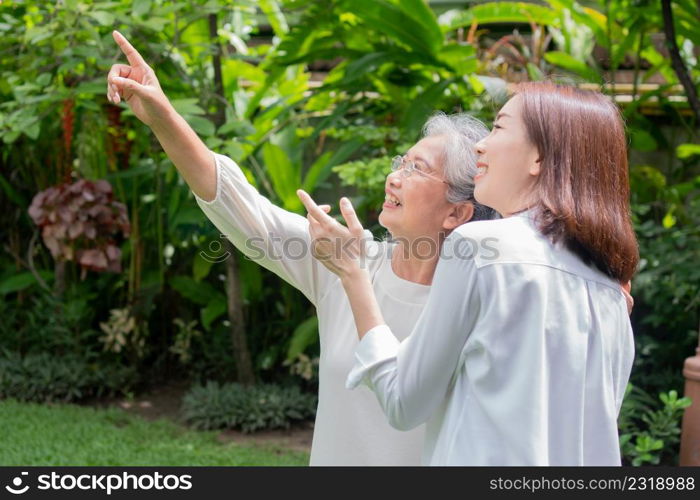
(583, 186)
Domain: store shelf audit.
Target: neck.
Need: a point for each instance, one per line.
(416, 268)
(521, 204)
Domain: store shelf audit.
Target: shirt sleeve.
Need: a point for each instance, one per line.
(274, 238)
(412, 378)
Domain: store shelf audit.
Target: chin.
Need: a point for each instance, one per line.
(480, 196)
(381, 220)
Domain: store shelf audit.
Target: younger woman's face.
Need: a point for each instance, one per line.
(508, 163)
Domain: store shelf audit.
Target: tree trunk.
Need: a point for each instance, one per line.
(677, 61)
(244, 364)
(59, 278)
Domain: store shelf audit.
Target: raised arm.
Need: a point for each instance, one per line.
(250, 221)
(136, 83)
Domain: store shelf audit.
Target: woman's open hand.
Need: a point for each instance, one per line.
(339, 248)
(137, 84)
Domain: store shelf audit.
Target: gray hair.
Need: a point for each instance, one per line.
(461, 133)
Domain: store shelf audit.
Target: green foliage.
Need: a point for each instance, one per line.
(45, 378)
(48, 324)
(650, 432)
(232, 406)
(368, 177)
(55, 435)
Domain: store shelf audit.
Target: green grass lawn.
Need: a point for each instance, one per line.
(63, 435)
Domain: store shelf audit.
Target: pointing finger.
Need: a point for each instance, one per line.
(314, 210)
(129, 51)
(350, 216)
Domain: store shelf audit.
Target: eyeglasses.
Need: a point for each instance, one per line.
(407, 167)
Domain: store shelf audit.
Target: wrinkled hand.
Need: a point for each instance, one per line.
(339, 248)
(627, 290)
(137, 84)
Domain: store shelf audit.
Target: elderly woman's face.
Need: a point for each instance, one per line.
(416, 205)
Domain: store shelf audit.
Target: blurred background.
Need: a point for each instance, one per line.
(116, 293)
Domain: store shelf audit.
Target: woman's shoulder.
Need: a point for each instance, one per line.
(506, 229)
(517, 240)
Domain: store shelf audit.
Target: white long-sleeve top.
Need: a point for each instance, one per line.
(350, 427)
(521, 356)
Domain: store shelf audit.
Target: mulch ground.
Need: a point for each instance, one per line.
(164, 402)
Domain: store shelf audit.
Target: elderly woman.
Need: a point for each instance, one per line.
(523, 352)
(429, 194)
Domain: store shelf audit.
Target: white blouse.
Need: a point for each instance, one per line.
(350, 427)
(521, 356)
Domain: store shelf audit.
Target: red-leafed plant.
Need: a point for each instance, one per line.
(80, 222)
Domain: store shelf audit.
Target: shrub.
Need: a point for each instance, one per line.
(44, 378)
(233, 406)
(649, 432)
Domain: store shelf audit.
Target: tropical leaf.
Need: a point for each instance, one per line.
(303, 336)
(568, 62)
(20, 281)
(393, 21)
(422, 106)
(198, 292)
(504, 12)
(285, 175)
(212, 311)
(322, 167)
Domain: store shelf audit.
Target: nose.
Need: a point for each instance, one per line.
(480, 147)
(394, 178)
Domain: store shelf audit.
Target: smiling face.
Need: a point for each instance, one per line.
(417, 206)
(508, 163)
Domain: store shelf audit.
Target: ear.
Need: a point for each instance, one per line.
(535, 166)
(459, 214)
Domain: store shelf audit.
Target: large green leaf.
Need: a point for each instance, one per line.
(285, 175)
(687, 150)
(251, 278)
(504, 12)
(187, 215)
(422, 106)
(568, 62)
(461, 58)
(322, 167)
(20, 281)
(11, 192)
(326, 122)
(198, 292)
(274, 15)
(188, 106)
(587, 16)
(365, 64)
(304, 335)
(421, 12)
(391, 20)
(201, 267)
(212, 311)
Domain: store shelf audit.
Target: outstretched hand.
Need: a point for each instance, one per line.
(136, 83)
(339, 248)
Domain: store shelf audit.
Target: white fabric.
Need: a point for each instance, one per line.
(521, 356)
(350, 427)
